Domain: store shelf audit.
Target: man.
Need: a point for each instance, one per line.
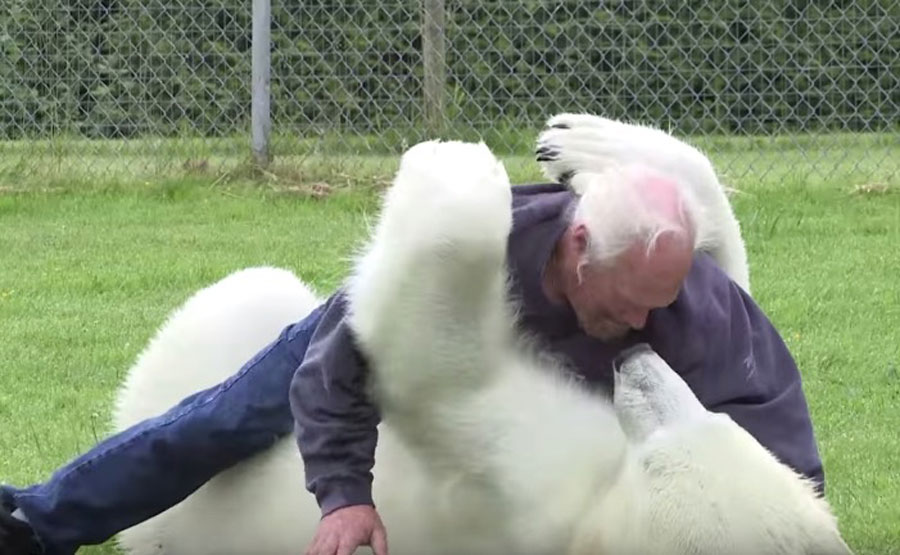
(593, 276)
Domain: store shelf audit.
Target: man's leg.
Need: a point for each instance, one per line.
(152, 466)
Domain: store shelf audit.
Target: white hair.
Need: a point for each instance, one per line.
(623, 206)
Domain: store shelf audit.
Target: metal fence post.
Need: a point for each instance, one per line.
(260, 116)
(435, 64)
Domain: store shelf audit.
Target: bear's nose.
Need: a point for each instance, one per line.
(622, 357)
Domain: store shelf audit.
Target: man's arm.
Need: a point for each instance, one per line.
(736, 362)
(336, 423)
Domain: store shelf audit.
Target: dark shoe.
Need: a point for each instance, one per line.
(16, 536)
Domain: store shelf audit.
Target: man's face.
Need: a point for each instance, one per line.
(610, 300)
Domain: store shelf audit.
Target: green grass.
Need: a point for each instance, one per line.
(88, 272)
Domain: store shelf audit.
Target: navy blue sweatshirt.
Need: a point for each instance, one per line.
(713, 335)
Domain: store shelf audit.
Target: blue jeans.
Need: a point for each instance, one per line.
(152, 466)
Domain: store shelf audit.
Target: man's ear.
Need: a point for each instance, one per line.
(581, 241)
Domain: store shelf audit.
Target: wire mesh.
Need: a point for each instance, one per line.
(148, 88)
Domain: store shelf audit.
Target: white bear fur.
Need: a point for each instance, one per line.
(486, 446)
(250, 307)
(587, 145)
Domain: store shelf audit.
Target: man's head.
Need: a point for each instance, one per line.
(627, 251)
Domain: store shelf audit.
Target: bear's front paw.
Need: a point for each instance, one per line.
(583, 143)
(575, 143)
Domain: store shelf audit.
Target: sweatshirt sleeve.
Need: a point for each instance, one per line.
(335, 421)
(765, 396)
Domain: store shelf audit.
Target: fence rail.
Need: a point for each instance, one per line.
(154, 87)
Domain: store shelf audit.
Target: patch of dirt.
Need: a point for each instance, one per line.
(873, 189)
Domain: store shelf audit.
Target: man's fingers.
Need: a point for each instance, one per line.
(379, 541)
(344, 530)
(323, 545)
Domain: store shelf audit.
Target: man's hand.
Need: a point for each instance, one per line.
(342, 531)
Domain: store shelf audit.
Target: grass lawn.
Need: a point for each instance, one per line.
(88, 273)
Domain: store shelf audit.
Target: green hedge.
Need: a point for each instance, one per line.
(121, 68)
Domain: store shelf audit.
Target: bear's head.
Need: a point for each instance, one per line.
(696, 482)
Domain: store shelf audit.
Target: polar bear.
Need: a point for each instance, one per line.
(580, 148)
(484, 449)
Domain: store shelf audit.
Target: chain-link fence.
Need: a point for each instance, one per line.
(150, 88)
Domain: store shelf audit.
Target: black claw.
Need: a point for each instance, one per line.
(566, 177)
(546, 154)
(560, 126)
